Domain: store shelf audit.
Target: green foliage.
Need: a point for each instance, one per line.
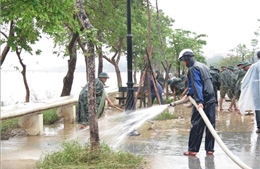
(8, 125)
(165, 116)
(183, 39)
(228, 61)
(50, 116)
(168, 101)
(28, 19)
(73, 155)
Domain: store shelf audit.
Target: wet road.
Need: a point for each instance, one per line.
(161, 146)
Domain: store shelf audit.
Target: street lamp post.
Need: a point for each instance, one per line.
(130, 105)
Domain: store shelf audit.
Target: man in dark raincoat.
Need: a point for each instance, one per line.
(82, 114)
(153, 91)
(215, 81)
(201, 90)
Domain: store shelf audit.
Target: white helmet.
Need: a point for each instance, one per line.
(186, 52)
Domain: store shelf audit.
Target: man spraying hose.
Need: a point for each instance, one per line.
(201, 89)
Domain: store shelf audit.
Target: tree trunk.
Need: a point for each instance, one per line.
(93, 118)
(68, 79)
(85, 56)
(7, 47)
(27, 95)
(100, 53)
(118, 75)
(149, 51)
(115, 62)
(92, 108)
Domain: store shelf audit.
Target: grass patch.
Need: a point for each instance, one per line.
(165, 116)
(8, 125)
(75, 156)
(168, 101)
(50, 116)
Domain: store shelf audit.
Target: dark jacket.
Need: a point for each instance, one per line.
(215, 79)
(200, 83)
(159, 87)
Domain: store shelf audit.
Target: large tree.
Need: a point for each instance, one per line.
(27, 20)
(183, 39)
(92, 109)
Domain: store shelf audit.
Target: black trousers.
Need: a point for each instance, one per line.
(198, 127)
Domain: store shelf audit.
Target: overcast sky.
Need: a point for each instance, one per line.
(226, 22)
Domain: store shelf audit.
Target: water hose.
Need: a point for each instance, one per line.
(217, 138)
(173, 104)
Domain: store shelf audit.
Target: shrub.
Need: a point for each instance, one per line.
(50, 116)
(73, 155)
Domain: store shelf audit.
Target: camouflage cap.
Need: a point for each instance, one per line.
(216, 69)
(103, 74)
(246, 64)
(211, 67)
(230, 68)
(240, 63)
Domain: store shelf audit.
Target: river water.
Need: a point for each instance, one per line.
(45, 84)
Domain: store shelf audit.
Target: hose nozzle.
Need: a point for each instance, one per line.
(172, 104)
(178, 102)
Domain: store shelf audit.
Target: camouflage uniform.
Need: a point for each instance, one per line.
(160, 78)
(239, 78)
(231, 90)
(82, 114)
(225, 82)
(178, 85)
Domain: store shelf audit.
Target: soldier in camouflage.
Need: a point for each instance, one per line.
(240, 75)
(159, 77)
(82, 114)
(225, 82)
(234, 84)
(231, 90)
(178, 85)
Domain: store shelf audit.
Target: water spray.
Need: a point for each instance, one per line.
(215, 135)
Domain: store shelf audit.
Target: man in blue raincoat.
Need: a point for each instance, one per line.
(202, 91)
